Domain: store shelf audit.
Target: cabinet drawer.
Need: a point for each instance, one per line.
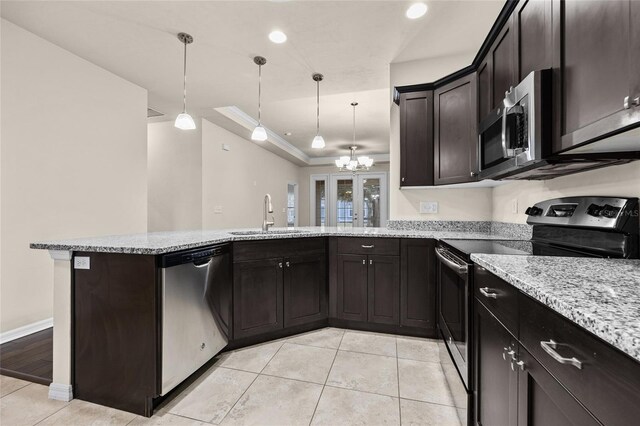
(270, 249)
(383, 246)
(500, 297)
(608, 382)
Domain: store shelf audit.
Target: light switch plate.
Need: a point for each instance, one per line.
(428, 207)
(226, 147)
(82, 262)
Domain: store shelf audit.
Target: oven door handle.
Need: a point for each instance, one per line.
(448, 260)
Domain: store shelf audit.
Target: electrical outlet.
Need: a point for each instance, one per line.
(514, 205)
(217, 209)
(428, 207)
(81, 262)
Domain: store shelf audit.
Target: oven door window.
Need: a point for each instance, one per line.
(453, 307)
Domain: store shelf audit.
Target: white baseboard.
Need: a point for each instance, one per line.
(60, 392)
(25, 330)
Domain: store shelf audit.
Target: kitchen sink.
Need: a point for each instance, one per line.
(273, 232)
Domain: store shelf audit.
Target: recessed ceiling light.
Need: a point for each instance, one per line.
(416, 10)
(288, 133)
(277, 37)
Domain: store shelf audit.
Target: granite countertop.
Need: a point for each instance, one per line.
(166, 242)
(600, 295)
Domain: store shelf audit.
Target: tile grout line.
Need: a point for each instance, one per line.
(252, 382)
(55, 412)
(327, 378)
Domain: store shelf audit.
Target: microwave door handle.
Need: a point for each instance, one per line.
(505, 152)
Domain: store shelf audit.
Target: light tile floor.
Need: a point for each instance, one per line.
(325, 377)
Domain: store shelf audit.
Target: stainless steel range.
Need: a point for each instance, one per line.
(568, 227)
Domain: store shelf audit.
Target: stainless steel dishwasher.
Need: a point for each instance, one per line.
(195, 286)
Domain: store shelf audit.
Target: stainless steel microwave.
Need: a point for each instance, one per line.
(510, 138)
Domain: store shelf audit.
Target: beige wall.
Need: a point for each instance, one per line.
(74, 163)
(453, 204)
(304, 179)
(623, 181)
(237, 180)
(175, 177)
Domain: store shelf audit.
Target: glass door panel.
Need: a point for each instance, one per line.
(320, 203)
(344, 203)
(370, 202)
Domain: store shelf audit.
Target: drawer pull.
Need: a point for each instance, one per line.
(485, 292)
(550, 346)
(365, 246)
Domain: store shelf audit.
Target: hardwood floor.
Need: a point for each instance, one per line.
(29, 358)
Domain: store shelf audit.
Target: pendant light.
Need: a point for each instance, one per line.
(350, 162)
(259, 133)
(184, 120)
(318, 141)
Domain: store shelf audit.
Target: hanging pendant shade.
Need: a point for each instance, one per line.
(184, 121)
(259, 133)
(318, 141)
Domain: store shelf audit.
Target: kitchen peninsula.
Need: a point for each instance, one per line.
(380, 279)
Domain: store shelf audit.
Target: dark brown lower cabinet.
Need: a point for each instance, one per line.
(116, 331)
(496, 383)
(418, 284)
(352, 287)
(512, 387)
(257, 301)
(383, 276)
(305, 289)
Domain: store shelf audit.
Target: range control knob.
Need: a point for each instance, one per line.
(609, 211)
(594, 210)
(533, 211)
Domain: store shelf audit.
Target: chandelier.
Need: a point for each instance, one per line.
(350, 162)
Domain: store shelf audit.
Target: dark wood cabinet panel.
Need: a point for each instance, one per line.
(634, 29)
(496, 387)
(543, 401)
(384, 289)
(366, 246)
(257, 300)
(592, 50)
(305, 289)
(116, 331)
(416, 138)
(455, 126)
(533, 35)
(418, 284)
(503, 63)
(352, 287)
(484, 90)
(500, 297)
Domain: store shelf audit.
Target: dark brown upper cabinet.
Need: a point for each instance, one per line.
(532, 31)
(502, 65)
(455, 131)
(484, 89)
(596, 50)
(416, 138)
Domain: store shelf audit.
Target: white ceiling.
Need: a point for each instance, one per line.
(351, 42)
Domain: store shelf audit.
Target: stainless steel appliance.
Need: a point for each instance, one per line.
(193, 331)
(569, 227)
(514, 140)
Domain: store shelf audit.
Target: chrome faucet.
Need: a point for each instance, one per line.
(268, 208)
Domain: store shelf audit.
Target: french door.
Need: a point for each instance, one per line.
(358, 200)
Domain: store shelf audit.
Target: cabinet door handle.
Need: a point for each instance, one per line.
(485, 292)
(370, 262)
(521, 365)
(364, 261)
(402, 180)
(473, 174)
(367, 246)
(550, 346)
(636, 101)
(288, 264)
(280, 265)
(626, 103)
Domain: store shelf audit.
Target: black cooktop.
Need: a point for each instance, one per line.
(467, 247)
